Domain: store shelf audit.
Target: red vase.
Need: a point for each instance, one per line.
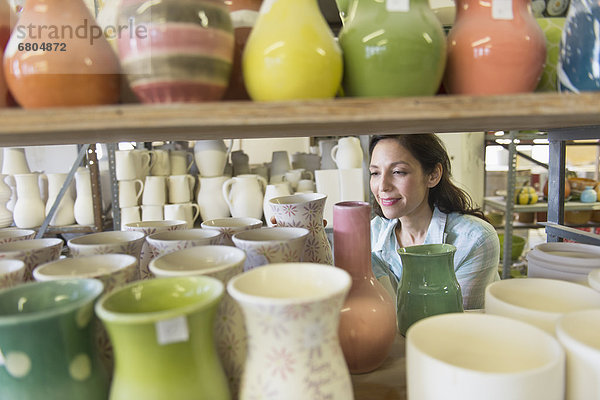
(57, 57)
(368, 318)
(494, 49)
(243, 15)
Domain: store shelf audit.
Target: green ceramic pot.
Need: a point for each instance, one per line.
(163, 341)
(428, 285)
(553, 28)
(392, 52)
(46, 342)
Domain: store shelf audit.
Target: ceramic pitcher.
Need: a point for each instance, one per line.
(272, 191)
(64, 214)
(347, 153)
(84, 205)
(14, 161)
(29, 209)
(210, 198)
(244, 195)
(6, 217)
(211, 157)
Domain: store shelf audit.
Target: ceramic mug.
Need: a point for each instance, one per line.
(181, 188)
(293, 176)
(125, 165)
(181, 162)
(229, 226)
(152, 212)
(144, 160)
(130, 214)
(162, 163)
(280, 163)
(155, 190)
(188, 212)
(305, 186)
(130, 192)
(162, 243)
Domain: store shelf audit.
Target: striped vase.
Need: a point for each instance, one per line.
(176, 50)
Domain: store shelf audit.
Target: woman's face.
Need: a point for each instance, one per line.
(397, 180)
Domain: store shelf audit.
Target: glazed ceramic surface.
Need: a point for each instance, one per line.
(271, 245)
(46, 331)
(474, 356)
(165, 242)
(305, 211)
(564, 261)
(244, 195)
(292, 312)
(222, 263)
(392, 48)
(494, 50)
(107, 243)
(32, 252)
(12, 273)
(186, 54)
(7, 19)
(227, 227)
(162, 333)
(290, 57)
(552, 28)
(13, 235)
(272, 191)
(368, 318)
(210, 198)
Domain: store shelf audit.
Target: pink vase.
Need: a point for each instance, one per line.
(496, 51)
(305, 211)
(368, 319)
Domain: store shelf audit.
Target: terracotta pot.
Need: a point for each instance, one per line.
(71, 65)
(496, 51)
(6, 16)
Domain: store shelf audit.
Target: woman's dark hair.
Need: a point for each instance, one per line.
(429, 150)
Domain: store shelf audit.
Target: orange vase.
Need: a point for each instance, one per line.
(494, 48)
(57, 56)
(243, 15)
(6, 17)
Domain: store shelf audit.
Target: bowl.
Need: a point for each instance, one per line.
(32, 252)
(168, 241)
(12, 272)
(473, 356)
(518, 244)
(594, 279)
(540, 302)
(200, 260)
(565, 261)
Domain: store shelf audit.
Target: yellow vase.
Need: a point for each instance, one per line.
(291, 53)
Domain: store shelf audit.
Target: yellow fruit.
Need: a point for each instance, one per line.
(526, 195)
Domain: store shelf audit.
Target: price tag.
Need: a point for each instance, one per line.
(172, 331)
(397, 5)
(502, 9)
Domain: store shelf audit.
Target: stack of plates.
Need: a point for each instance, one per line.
(565, 261)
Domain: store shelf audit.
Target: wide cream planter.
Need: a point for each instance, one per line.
(473, 356)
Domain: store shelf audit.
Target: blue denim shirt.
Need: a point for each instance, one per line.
(475, 261)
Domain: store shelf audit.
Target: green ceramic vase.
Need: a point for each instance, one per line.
(428, 285)
(163, 341)
(392, 48)
(47, 349)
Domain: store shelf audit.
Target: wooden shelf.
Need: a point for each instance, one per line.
(336, 117)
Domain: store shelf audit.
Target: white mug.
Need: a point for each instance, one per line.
(129, 194)
(125, 165)
(186, 211)
(293, 176)
(181, 188)
(179, 162)
(305, 186)
(152, 212)
(155, 190)
(144, 161)
(129, 214)
(161, 164)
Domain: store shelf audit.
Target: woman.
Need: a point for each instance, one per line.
(417, 203)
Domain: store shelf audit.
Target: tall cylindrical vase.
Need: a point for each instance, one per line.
(83, 207)
(494, 47)
(291, 53)
(163, 341)
(46, 342)
(64, 214)
(292, 312)
(392, 48)
(368, 320)
(428, 285)
(29, 208)
(305, 211)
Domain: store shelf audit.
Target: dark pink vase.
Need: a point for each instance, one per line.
(368, 318)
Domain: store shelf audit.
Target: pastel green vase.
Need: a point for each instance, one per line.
(428, 285)
(47, 349)
(163, 341)
(392, 48)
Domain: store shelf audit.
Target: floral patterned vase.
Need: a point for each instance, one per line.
(185, 54)
(292, 312)
(305, 211)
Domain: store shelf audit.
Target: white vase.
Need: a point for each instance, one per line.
(14, 161)
(64, 214)
(29, 208)
(347, 153)
(84, 206)
(272, 191)
(210, 198)
(244, 195)
(6, 218)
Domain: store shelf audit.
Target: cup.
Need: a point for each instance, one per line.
(293, 176)
(155, 190)
(125, 165)
(32, 252)
(152, 212)
(162, 163)
(130, 192)
(280, 163)
(188, 212)
(130, 214)
(111, 242)
(144, 160)
(305, 186)
(181, 162)
(181, 188)
(229, 226)
(162, 243)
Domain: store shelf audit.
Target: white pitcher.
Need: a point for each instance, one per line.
(274, 190)
(210, 198)
(84, 206)
(347, 153)
(211, 157)
(244, 195)
(6, 218)
(29, 208)
(64, 214)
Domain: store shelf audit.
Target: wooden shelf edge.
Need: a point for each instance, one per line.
(343, 116)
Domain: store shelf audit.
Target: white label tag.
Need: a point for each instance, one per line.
(502, 9)
(397, 5)
(172, 331)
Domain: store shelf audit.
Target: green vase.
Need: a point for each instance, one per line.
(163, 341)
(428, 285)
(392, 48)
(47, 349)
